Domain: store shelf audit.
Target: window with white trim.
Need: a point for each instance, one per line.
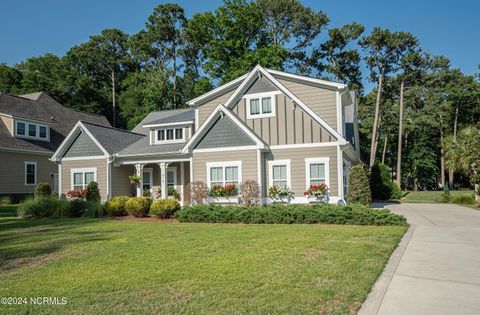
(261, 105)
(224, 173)
(30, 173)
(24, 129)
(170, 135)
(147, 179)
(82, 177)
(317, 171)
(171, 177)
(279, 173)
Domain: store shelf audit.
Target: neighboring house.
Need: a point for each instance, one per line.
(32, 126)
(269, 126)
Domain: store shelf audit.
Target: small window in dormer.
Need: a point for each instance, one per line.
(179, 133)
(42, 132)
(32, 130)
(170, 135)
(261, 105)
(20, 128)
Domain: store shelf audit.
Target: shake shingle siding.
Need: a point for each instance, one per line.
(83, 146)
(224, 133)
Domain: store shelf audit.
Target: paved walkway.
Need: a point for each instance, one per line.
(436, 268)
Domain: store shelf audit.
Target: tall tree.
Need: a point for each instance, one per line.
(10, 79)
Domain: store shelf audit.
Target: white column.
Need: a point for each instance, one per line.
(163, 179)
(139, 172)
(182, 183)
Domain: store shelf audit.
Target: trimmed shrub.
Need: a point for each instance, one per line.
(116, 206)
(380, 182)
(93, 193)
(358, 186)
(164, 208)
(138, 206)
(250, 192)
(42, 207)
(76, 208)
(290, 214)
(396, 191)
(43, 190)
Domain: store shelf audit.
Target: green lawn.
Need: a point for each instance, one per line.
(430, 196)
(112, 267)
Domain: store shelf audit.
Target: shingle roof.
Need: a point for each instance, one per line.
(165, 116)
(40, 106)
(112, 139)
(143, 146)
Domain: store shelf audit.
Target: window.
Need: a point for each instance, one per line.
(279, 173)
(32, 130)
(170, 135)
(317, 171)
(171, 177)
(25, 129)
(30, 173)
(261, 105)
(224, 173)
(20, 128)
(147, 178)
(82, 177)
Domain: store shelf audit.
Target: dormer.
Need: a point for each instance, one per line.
(26, 128)
(168, 133)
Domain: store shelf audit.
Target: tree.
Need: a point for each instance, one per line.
(380, 182)
(358, 186)
(334, 57)
(10, 79)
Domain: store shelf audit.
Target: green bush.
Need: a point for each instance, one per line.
(76, 208)
(116, 206)
(396, 191)
(358, 186)
(42, 207)
(290, 214)
(43, 190)
(93, 193)
(464, 199)
(164, 208)
(138, 206)
(380, 182)
(95, 209)
(445, 196)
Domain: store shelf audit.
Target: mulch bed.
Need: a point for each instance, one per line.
(144, 219)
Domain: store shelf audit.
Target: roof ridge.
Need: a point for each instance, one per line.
(119, 129)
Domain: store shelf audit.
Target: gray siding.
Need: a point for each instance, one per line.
(224, 133)
(83, 146)
(261, 85)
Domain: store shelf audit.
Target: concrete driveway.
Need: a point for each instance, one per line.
(436, 268)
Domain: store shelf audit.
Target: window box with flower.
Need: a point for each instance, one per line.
(223, 194)
(280, 194)
(317, 193)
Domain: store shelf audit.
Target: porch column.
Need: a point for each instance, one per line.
(163, 179)
(139, 172)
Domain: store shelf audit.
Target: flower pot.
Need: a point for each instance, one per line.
(318, 199)
(281, 199)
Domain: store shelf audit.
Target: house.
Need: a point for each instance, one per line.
(32, 127)
(269, 126)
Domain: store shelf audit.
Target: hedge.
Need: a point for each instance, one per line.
(290, 214)
(164, 208)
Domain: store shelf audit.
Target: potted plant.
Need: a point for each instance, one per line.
(223, 194)
(317, 193)
(134, 179)
(280, 194)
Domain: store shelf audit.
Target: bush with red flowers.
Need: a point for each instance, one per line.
(76, 194)
(317, 191)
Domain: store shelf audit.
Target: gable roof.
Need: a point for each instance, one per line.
(110, 140)
(41, 107)
(218, 111)
(164, 116)
(221, 89)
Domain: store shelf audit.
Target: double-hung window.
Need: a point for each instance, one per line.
(20, 128)
(224, 173)
(24, 129)
(317, 171)
(261, 105)
(169, 135)
(279, 173)
(30, 173)
(81, 177)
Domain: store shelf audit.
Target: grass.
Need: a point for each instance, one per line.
(430, 196)
(113, 267)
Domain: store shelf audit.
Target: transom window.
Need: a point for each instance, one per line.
(25, 129)
(279, 173)
(317, 171)
(82, 177)
(261, 105)
(224, 173)
(30, 173)
(170, 134)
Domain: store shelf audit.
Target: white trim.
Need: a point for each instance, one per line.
(276, 163)
(59, 180)
(149, 154)
(307, 79)
(174, 169)
(224, 164)
(180, 123)
(260, 172)
(318, 160)
(83, 171)
(197, 118)
(338, 102)
(147, 170)
(27, 124)
(226, 149)
(340, 171)
(79, 158)
(26, 163)
(304, 145)
(25, 151)
(216, 90)
(191, 169)
(165, 141)
(273, 104)
(109, 179)
(182, 183)
(210, 119)
(119, 163)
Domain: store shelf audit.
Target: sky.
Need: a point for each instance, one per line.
(31, 28)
